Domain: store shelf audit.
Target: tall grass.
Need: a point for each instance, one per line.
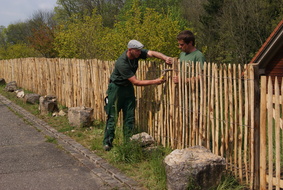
(229, 182)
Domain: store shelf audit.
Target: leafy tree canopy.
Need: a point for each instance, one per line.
(226, 30)
(155, 30)
(80, 38)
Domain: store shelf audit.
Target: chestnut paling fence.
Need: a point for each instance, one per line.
(214, 107)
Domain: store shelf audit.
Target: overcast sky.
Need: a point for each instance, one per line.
(12, 11)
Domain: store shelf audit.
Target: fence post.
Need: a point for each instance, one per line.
(256, 180)
(263, 134)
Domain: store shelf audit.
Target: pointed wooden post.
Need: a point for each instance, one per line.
(256, 179)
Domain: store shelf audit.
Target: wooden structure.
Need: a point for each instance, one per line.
(270, 56)
(269, 61)
(215, 109)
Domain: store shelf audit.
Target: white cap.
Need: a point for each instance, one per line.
(135, 44)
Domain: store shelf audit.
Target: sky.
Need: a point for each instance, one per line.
(13, 11)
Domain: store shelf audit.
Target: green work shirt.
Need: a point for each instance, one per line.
(194, 57)
(126, 68)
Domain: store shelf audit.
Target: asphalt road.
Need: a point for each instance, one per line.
(28, 161)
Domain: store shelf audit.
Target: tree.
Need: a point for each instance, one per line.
(3, 37)
(42, 27)
(42, 40)
(17, 33)
(17, 51)
(244, 27)
(157, 31)
(239, 31)
(81, 38)
(274, 12)
(108, 9)
(232, 31)
(208, 33)
(36, 33)
(193, 12)
(14, 43)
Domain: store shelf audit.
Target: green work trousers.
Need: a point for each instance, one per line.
(119, 97)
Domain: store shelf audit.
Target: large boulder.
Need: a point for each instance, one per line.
(32, 98)
(80, 116)
(48, 104)
(193, 167)
(11, 86)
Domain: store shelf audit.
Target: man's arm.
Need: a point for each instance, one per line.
(137, 82)
(159, 55)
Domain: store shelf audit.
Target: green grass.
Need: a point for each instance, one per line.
(51, 139)
(145, 166)
(228, 182)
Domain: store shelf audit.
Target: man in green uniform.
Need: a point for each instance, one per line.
(190, 54)
(121, 91)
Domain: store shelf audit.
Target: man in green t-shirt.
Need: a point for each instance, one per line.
(190, 54)
(121, 91)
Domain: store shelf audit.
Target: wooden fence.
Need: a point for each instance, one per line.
(74, 82)
(271, 147)
(213, 107)
(215, 110)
